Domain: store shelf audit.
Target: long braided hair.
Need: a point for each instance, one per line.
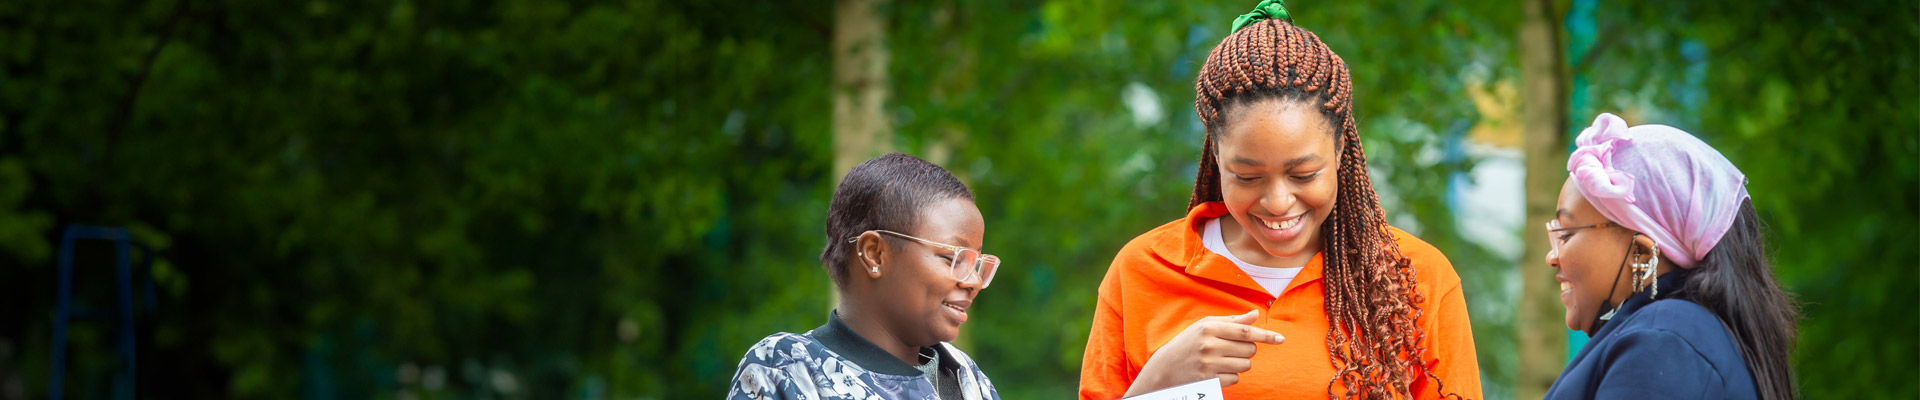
(1372, 304)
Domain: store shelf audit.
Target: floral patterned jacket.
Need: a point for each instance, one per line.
(790, 366)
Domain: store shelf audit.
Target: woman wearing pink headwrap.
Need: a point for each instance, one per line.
(1660, 260)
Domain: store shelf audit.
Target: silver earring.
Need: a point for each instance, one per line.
(1644, 274)
(874, 270)
(1653, 267)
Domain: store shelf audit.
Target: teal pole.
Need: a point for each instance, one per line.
(1580, 34)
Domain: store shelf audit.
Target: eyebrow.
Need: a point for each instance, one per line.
(1296, 161)
(1563, 213)
(960, 241)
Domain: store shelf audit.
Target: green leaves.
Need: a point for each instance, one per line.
(616, 199)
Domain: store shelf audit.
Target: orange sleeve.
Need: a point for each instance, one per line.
(1105, 373)
(1449, 339)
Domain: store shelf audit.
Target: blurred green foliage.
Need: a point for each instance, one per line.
(538, 199)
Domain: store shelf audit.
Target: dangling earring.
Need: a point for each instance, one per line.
(1643, 273)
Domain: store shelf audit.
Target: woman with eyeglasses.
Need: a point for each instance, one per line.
(1660, 261)
(903, 239)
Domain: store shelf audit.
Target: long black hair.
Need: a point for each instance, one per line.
(1735, 281)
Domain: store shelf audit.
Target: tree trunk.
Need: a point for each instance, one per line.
(860, 127)
(1541, 328)
(860, 91)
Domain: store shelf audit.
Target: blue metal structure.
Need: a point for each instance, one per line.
(66, 313)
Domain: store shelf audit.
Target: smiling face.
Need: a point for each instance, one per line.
(1277, 161)
(1589, 260)
(922, 302)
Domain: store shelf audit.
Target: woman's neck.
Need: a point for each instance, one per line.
(1666, 265)
(871, 327)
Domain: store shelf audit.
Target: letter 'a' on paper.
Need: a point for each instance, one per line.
(1202, 390)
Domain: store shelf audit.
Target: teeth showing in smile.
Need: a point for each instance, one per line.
(1564, 286)
(950, 305)
(1283, 224)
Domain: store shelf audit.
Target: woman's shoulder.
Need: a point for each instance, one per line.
(1156, 248)
(1676, 328)
(1146, 242)
(1680, 324)
(1680, 317)
(795, 366)
(764, 374)
(782, 349)
(1429, 263)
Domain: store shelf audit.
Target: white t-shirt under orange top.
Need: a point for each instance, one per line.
(1166, 278)
(1273, 279)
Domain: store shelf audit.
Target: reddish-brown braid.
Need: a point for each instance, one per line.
(1372, 304)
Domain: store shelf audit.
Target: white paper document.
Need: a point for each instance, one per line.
(1202, 390)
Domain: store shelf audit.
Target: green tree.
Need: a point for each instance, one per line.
(374, 199)
(536, 199)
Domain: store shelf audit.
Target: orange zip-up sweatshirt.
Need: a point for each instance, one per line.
(1166, 279)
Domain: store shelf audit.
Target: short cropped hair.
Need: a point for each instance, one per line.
(886, 192)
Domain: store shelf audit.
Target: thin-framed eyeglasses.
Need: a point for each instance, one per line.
(967, 265)
(1557, 236)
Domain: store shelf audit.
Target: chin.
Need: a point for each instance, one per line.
(1289, 248)
(946, 336)
(1282, 252)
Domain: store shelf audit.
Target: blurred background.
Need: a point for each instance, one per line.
(541, 199)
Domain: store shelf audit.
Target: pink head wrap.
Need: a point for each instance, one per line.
(1659, 181)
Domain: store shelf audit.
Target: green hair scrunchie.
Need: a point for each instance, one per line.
(1268, 9)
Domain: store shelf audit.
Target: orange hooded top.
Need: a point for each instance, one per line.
(1166, 279)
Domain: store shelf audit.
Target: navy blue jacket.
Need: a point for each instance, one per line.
(1664, 349)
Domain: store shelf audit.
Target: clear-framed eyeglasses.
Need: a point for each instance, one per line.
(1557, 236)
(968, 264)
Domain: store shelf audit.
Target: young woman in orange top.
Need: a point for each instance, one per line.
(1284, 279)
